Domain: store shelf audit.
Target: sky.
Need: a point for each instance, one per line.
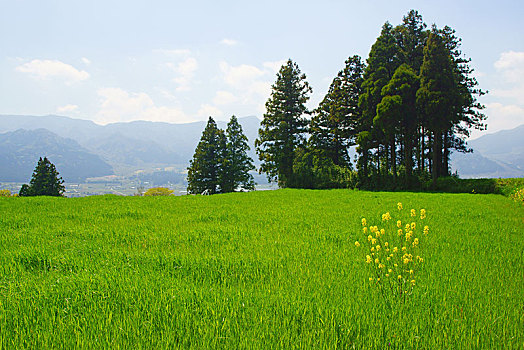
(183, 61)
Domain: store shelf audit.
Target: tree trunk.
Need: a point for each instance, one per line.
(437, 156)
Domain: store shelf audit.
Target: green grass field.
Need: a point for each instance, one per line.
(275, 269)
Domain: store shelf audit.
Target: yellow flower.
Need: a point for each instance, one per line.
(388, 258)
(395, 265)
(408, 235)
(364, 223)
(357, 244)
(382, 232)
(399, 224)
(395, 250)
(413, 282)
(399, 206)
(410, 272)
(390, 270)
(386, 244)
(370, 237)
(387, 274)
(413, 212)
(377, 247)
(408, 226)
(399, 277)
(406, 261)
(372, 249)
(365, 229)
(422, 214)
(404, 249)
(371, 279)
(381, 266)
(368, 259)
(400, 232)
(373, 241)
(376, 261)
(415, 242)
(413, 225)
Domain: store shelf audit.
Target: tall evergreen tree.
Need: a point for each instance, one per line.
(283, 127)
(237, 163)
(397, 115)
(205, 169)
(45, 181)
(383, 60)
(333, 127)
(438, 97)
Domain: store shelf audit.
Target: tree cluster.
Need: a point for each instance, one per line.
(45, 181)
(406, 111)
(220, 163)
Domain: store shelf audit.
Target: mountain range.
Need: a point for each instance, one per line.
(82, 149)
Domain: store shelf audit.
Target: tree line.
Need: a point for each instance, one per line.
(406, 110)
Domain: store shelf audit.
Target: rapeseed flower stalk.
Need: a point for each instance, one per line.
(394, 250)
(518, 196)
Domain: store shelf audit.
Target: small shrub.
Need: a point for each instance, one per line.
(5, 193)
(158, 191)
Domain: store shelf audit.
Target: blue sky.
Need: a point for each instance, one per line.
(112, 61)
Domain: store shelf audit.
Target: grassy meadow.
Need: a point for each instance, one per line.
(269, 269)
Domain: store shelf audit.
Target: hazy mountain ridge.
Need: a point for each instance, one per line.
(148, 145)
(500, 154)
(21, 149)
(127, 146)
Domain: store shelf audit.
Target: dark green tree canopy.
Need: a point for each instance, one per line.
(334, 125)
(205, 168)
(221, 163)
(284, 126)
(237, 163)
(45, 181)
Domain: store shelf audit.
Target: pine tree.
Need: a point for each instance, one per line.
(383, 60)
(237, 163)
(205, 169)
(45, 181)
(333, 127)
(438, 97)
(283, 127)
(397, 115)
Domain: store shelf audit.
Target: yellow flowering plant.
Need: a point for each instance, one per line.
(392, 252)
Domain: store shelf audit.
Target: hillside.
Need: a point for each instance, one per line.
(133, 145)
(21, 149)
(143, 145)
(500, 154)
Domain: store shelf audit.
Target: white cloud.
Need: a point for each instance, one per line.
(46, 69)
(118, 105)
(67, 109)
(207, 110)
(224, 98)
(229, 42)
(507, 110)
(251, 85)
(185, 71)
(503, 117)
(86, 61)
(510, 69)
(240, 76)
(274, 66)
